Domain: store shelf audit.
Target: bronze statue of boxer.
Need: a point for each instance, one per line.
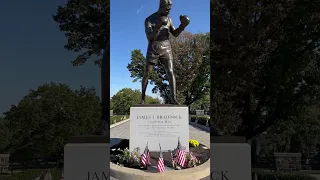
(158, 27)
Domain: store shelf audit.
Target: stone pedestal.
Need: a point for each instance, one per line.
(159, 123)
(87, 158)
(288, 161)
(4, 163)
(230, 161)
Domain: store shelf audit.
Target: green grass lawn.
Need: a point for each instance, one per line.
(31, 175)
(117, 118)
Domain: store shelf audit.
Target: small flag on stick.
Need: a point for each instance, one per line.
(160, 164)
(148, 157)
(145, 157)
(181, 154)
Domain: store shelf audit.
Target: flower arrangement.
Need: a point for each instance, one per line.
(193, 143)
(130, 159)
(175, 159)
(133, 159)
(191, 160)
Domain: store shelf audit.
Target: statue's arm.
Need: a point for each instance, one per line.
(175, 32)
(151, 33)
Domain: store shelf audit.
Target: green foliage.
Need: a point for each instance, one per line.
(191, 64)
(117, 118)
(42, 122)
(130, 159)
(126, 98)
(193, 118)
(32, 174)
(137, 66)
(193, 143)
(111, 105)
(282, 176)
(86, 25)
(300, 134)
(4, 136)
(265, 63)
(201, 119)
(201, 104)
(191, 160)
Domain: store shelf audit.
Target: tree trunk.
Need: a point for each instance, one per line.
(105, 89)
(104, 126)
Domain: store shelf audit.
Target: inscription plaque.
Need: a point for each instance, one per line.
(154, 125)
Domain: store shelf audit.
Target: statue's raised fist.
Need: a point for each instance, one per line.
(184, 20)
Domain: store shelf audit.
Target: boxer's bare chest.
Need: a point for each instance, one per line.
(164, 32)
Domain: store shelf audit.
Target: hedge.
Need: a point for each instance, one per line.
(32, 174)
(201, 119)
(282, 176)
(117, 118)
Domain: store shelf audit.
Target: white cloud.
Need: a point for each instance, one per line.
(139, 9)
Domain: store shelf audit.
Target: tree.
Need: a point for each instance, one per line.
(191, 67)
(201, 104)
(300, 134)
(265, 63)
(86, 25)
(111, 105)
(126, 98)
(4, 135)
(43, 120)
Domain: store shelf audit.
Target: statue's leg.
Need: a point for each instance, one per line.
(148, 69)
(167, 62)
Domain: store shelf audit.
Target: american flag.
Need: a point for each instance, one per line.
(181, 154)
(145, 157)
(172, 159)
(148, 157)
(160, 164)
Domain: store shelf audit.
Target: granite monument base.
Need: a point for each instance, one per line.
(87, 158)
(155, 124)
(230, 159)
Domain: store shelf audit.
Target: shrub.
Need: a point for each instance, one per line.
(117, 118)
(282, 176)
(32, 174)
(193, 143)
(192, 160)
(203, 120)
(130, 159)
(193, 118)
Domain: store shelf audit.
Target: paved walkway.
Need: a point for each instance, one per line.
(122, 131)
(316, 176)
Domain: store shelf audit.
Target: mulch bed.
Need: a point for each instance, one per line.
(201, 152)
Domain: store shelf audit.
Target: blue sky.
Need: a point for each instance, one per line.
(127, 32)
(32, 52)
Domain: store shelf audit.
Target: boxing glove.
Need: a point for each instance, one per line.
(184, 20)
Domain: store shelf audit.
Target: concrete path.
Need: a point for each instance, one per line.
(121, 131)
(316, 176)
